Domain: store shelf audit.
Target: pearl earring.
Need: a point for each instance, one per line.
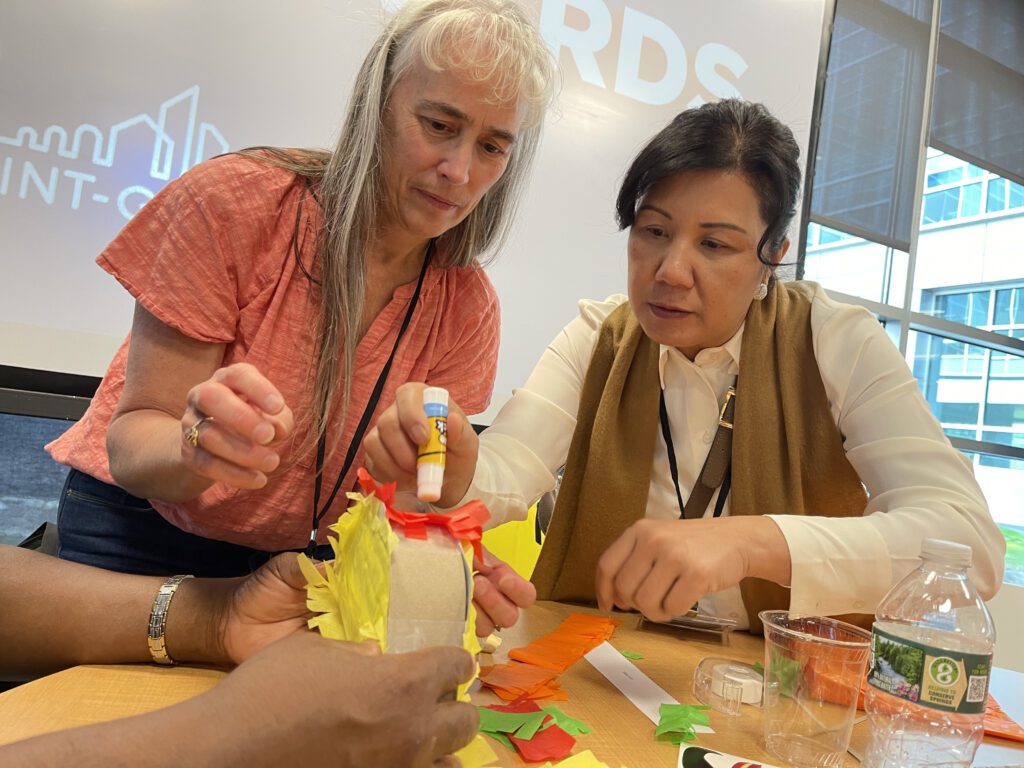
(762, 291)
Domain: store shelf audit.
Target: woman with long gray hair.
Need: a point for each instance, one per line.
(283, 295)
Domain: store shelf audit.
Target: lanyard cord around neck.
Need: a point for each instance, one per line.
(364, 421)
(673, 468)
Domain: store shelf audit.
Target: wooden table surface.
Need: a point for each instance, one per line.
(621, 734)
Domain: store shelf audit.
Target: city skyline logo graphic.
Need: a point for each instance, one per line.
(136, 156)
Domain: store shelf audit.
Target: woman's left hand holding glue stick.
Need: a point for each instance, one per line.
(430, 459)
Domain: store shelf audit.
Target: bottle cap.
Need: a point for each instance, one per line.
(947, 552)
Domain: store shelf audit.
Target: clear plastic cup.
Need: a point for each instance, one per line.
(813, 668)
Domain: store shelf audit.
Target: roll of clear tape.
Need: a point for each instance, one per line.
(725, 684)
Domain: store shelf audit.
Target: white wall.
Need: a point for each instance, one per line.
(1007, 609)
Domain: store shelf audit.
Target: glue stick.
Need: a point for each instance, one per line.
(430, 458)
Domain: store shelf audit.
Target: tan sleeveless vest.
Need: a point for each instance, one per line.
(787, 453)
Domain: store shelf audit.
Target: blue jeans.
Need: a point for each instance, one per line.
(105, 526)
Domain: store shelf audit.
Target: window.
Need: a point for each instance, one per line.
(960, 194)
(962, 307)
(996, 200)
(941, 206)
(949, 290)
(945, 177)
(1016, 195)
(1009, 307)
(970, 201)
(864, 268)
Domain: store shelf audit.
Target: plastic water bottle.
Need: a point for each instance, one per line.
(931, 655)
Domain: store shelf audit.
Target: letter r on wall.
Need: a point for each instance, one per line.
(582, 43)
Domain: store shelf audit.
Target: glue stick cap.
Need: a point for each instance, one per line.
(437, 395)
(430, 462)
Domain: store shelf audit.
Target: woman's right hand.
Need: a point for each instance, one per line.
(232, 424)
(391, 446)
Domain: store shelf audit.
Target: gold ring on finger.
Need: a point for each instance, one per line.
(192, 433)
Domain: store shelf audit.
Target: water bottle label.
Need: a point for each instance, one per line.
(949, 681)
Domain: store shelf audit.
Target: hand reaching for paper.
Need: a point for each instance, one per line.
(662, 567)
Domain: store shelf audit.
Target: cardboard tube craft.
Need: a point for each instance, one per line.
(402, 579)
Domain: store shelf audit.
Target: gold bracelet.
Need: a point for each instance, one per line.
(158, 620)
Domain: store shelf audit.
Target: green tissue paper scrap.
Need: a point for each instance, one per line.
(787, 672)
(676, 722)
(570, 725)
(523, 725)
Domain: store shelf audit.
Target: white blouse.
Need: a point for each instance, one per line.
(924, 487)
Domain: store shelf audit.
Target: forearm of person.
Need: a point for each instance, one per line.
(519, 455)
(303, 699)
(144, 439)
(846, 565)
(766, 552)
(144, 447)
(526, 446)
(918, 485)
(54, 617)
(195, 732)
(925, 487)
(509, 478)
(58, 614)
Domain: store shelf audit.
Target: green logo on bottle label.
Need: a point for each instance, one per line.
(931, 677)
(944, 671)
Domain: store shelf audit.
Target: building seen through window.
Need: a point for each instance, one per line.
(915, 210)
(969, 271)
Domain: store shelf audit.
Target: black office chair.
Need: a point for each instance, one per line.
(43, 539)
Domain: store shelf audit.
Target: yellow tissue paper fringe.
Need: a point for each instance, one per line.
(580, 760)
(477, 754)
(469, 640)
(352, 600)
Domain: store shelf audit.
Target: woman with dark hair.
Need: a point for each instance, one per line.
(283, 295)
(727, 439)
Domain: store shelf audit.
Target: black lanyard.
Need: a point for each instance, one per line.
(673, 468)
(364, 421)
